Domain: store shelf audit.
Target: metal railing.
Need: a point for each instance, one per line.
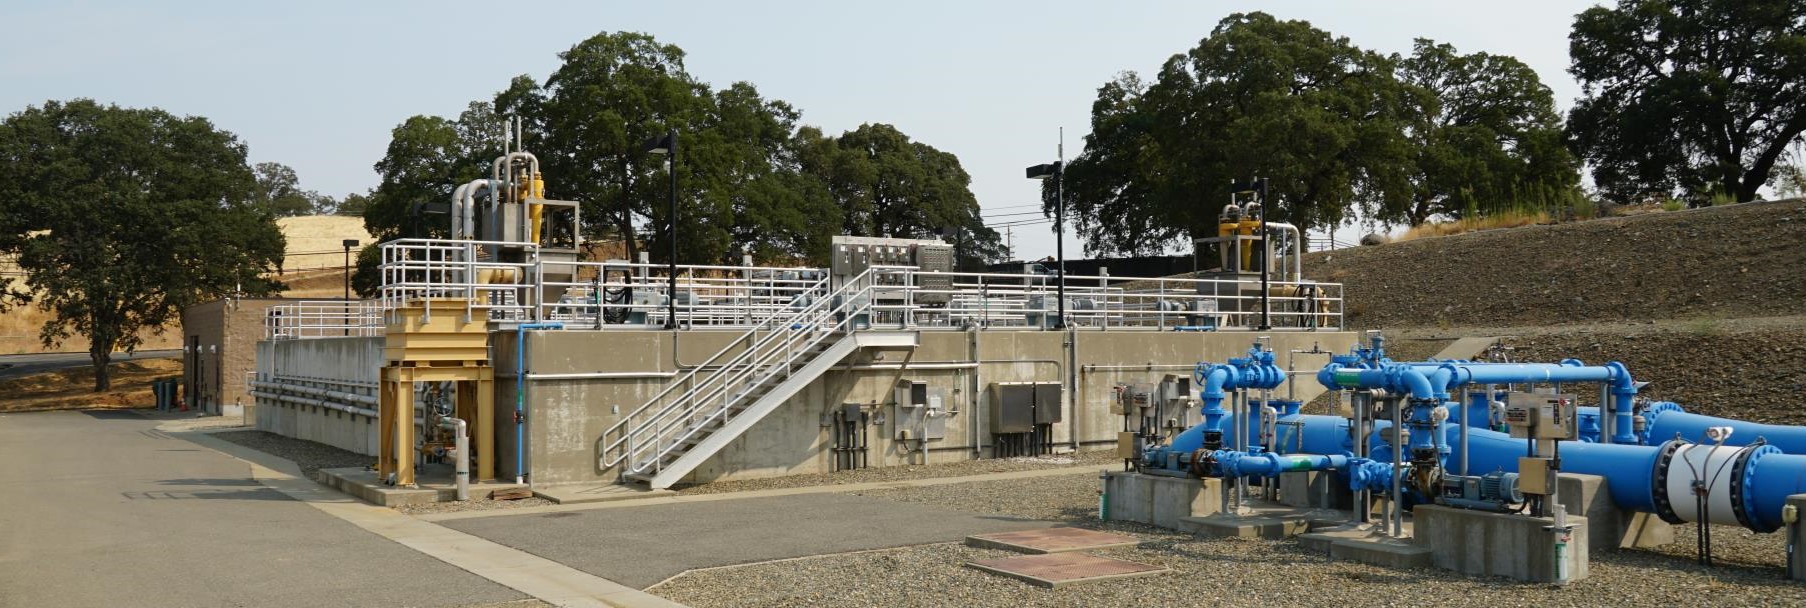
(415, 269)
(323, 319)
(761, 358)
(630, 295)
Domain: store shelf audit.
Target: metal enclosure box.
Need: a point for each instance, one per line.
(1536, 476)
(919, 412)
(933, 258)
(1016, 407)
(1540, 416)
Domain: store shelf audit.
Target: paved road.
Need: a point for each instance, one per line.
(20, 365)
(100, 509)
(641, 546)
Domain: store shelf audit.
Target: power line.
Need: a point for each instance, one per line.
(1022, 213)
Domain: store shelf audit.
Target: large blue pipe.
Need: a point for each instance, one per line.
(520, 395)
(1667, 420)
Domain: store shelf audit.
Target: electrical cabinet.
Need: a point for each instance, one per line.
(919, 412)
(1540, 416)
(1017, 407)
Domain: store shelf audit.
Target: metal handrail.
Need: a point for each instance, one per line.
(688, 377)
(662, 448)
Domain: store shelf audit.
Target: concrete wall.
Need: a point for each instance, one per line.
(341, 364)
(226, 333)
(566, 417)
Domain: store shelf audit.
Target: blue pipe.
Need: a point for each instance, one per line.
(520, 395)
(1268, 464)
(1667, 420)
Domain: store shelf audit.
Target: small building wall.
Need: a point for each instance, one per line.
(220, 339)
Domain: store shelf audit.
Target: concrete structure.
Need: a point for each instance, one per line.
(1796, 538)
(580, 382)
(1499, 544)
(1159, 500)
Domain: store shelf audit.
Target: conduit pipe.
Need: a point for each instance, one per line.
(1297, 266)
(349, 409)
(520, 390)
(317, 392)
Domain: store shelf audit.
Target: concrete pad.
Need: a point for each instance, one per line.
(1159, 500)
(1501, 544)
(1271, 527)
(1364, 544)
(643, 545)
(365, 485)
(576, 494)
(1056, 570)
(1051, 540)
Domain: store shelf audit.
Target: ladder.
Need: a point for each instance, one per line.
(702, 410)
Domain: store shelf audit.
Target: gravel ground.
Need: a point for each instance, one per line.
(878, 474)
(1261, 573)
(308, 455)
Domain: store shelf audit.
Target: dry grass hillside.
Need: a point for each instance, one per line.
(1709, 304)
(312, 268)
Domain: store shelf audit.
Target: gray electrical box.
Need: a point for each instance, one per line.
(1540, 416)
(919, 412)
(852, 255)
(1016, 407)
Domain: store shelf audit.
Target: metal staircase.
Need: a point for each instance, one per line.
(700, 411)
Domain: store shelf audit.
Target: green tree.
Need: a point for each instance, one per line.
(279, 191)
(353, 204)
(886, 184)
(1486, 137)
(1700, 96)
(427, 157)
(1324, 120)
(121, 217)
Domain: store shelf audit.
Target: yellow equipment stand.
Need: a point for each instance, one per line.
(434, 340)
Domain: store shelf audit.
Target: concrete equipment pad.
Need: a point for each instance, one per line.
(102, 509)
(1056, 570)
(1051, 540)
(643, 545)
(364, 484)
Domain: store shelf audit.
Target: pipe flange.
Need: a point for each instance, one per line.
(1664, 459)
(1743, 491)
(1201, 463)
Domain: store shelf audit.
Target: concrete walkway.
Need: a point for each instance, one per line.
(101, 509)
(539, 577)
(691, 498)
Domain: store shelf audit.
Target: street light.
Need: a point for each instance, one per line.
(1057, 171)
(348, 243)
(667, 145)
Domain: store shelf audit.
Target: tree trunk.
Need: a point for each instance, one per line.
(100, 355)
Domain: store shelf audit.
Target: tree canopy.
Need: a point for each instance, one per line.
(121, 217)
(1486, 137)
(1699, 97)
(279, 193)
(1335, 128)
(751, 179)
(1318, 116)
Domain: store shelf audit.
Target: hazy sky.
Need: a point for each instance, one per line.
(318, 85)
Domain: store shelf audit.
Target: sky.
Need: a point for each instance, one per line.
(318, 85)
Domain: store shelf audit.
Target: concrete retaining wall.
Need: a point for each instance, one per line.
(352, 365)
(1497, 544)
(1159, 500)
(566, 417)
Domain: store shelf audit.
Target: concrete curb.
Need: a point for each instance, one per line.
(547, 580)
(826, 489)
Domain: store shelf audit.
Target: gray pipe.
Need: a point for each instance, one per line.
(317, 392)
(461, 431)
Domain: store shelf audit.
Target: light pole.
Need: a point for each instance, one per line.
(1057, 171)
(348, 243)
(667, 145)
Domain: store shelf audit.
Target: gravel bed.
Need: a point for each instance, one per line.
(1261, 573)
(308, 455)
(476, 503)
(902, 473)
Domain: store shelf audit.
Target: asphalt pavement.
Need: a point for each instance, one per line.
(12, 366)
(101, 509)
